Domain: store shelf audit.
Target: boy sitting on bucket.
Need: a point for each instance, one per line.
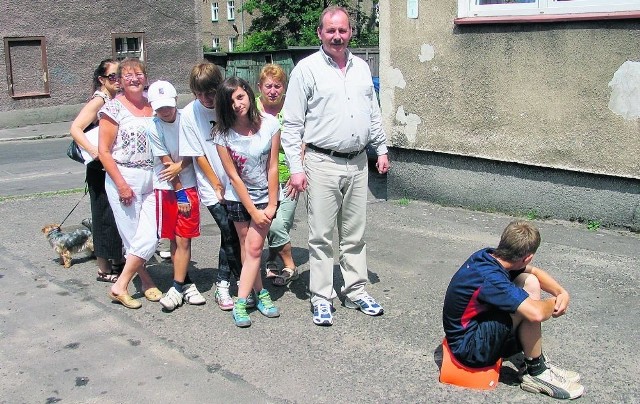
(493, 308)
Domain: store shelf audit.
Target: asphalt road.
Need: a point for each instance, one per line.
(63, 340)
(35, 166)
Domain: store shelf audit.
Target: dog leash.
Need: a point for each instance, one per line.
(86, 191)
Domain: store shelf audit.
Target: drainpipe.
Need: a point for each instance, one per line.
(241, 21)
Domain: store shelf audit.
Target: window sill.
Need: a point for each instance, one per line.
(33, 94)
(520, 19)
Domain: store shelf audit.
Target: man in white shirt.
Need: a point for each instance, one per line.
(331, 106)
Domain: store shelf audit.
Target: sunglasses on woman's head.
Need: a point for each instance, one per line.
(111, 77)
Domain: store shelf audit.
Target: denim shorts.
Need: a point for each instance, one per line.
(492, 339)
(238, 213)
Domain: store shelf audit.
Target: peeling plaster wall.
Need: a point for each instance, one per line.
(539, 94)
(563, 96)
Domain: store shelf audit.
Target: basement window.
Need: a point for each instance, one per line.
(27, 71)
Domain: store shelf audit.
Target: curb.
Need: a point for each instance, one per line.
(38, 137)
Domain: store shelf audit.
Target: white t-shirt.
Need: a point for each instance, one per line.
(196, 123)
(164, 140)
(250, 155)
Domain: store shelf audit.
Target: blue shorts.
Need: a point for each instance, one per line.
(491, 340)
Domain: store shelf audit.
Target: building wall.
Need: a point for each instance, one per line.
(78, 36)
(546, 102)
(223, 28)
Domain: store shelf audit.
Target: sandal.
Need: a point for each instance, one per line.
(286, 277)
(272, 269)
(153, 294)
(126, 300)
(110, 277)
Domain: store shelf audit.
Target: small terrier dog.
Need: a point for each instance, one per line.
(67, 244)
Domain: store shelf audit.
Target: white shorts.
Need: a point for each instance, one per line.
(136, 222)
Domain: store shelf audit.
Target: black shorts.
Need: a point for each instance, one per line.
(491, 340)
(238, 213)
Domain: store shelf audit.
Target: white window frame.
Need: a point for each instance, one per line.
(469, 9)
(231, 10)
(215, 44)
(215, 11)
(233, 42)
(136, 37)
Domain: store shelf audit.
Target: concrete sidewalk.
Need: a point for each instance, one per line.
(64, 340)
(34, 132)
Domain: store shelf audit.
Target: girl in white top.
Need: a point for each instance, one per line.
(248, 144)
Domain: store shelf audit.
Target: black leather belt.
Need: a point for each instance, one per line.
(334, 153)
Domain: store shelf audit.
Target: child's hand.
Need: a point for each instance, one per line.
(562, 302)
(270, 211)
(184, 206)
(261, 219)
(184, 209)
(170, 171)
(219, 194)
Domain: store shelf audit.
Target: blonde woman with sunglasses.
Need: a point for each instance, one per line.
(106, 240)
(124, 151)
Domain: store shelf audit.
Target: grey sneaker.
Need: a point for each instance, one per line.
(365, 303)
(551, 384)
(251, 299)
(172, 299)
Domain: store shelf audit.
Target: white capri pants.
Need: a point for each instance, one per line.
(137, 222)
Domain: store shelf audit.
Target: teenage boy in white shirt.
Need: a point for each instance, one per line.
(196, 122)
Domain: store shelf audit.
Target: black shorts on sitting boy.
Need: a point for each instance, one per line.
(493, 308)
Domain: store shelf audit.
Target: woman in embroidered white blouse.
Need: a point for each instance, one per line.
(124, 151)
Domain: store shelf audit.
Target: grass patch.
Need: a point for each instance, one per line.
(404, 201)
(593, 225)
(532, 214)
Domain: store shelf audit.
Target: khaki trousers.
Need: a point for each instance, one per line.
(336, 198)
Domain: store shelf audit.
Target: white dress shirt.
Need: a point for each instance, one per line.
(331, 109)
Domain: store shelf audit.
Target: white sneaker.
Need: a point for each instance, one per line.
(165, 255)
(222, 296)
(565, 373)
(551, 384)
(171, 300)
(191, 295)
(365, 303)
(322, 313)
